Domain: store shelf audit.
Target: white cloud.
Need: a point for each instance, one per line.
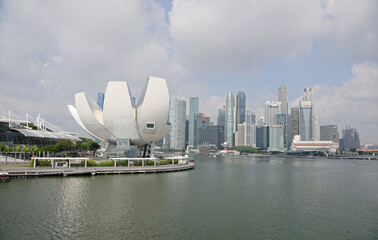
(355, 102)
(51, 50)
(237, 36)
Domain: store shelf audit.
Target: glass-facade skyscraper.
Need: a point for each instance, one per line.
(240, 108)
(230, 127)
(177, 118)
(193, 109)
(305, 120)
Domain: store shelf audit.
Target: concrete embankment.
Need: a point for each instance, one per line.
(48, 171)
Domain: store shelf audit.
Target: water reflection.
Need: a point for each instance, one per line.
(222, 198)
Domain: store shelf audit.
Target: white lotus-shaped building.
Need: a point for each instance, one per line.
(120, 119)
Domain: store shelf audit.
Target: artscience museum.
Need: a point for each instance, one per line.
(121, 125)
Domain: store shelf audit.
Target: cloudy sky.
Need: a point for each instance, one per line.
(49, 50)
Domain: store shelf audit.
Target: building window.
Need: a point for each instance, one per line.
(150, 125)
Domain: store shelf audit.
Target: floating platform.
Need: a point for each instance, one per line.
(77, 171)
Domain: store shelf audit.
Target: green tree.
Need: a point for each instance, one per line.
(7, 149)
(353, 149)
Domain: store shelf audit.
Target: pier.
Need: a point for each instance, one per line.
(68, 170)
(77, 171)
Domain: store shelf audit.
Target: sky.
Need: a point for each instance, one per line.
(50, 50)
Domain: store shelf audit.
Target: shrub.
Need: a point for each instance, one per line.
(122, 163)
(137, 163)
(90, 163)
(106, 163)
(40, 163)
(165, 162)
(149, 163)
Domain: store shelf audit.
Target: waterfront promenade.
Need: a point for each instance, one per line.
(76, 171)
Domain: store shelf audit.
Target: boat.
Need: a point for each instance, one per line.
(4, 177)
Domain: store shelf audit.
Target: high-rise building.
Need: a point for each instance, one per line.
(230, 119)
(329, 133)
(294, 126)
(350, 138)
(240, 135)
(276, 138)
(200, 121)
(250, 131)
(282, 97)
(240, 108)
(100, 99)
(305, 120)
(309, 96)
(187, 130)
(262, 137)
(193, 109)
(271, 109)
(281, 121)
(212, 135)
(221, 116)
(177, 118)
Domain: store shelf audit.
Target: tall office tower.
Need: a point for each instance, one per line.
(240, 108)
(329, 133)
(186, 130)
(276, 138)
(309, 96)
(294, 124)
(262, 137)
(240, 135)
(305, 120)
(282, 97)
(250, 130)
(172, 121)
(180, 123)
(230, 119)
(221, 116)
(281, 121)
(212, 135)
(193, 109)
(100, 99)
(271, 109)
(350, 138)
(200, 121)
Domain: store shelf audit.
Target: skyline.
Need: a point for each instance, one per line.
(50, 51)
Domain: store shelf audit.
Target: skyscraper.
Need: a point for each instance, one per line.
(309, 96)
(177, 118)
(294, 117)
(221, 116)
(271, 109)
(200, 121)
(282, 97)
(250, 131)
(240, 108)
(193, 109)
(329, 133)
(240, 135)
(262, 137)
(230, 119)
(350, 138)
(305, 120)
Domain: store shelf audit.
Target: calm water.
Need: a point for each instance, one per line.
(222, 198)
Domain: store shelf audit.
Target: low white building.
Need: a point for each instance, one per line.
(309, 146)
